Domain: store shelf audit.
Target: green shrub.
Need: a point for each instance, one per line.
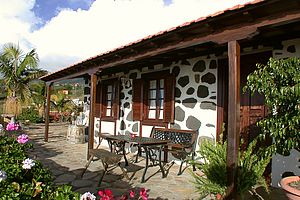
(251, 167)
(23, 184)
(279, 82)
(30, 114)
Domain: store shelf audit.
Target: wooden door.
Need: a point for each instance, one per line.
(252, 106)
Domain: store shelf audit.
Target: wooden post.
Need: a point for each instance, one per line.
(92, 112)
(233, 117)
(47, 112)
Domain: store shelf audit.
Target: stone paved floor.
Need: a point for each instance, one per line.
(66, 161)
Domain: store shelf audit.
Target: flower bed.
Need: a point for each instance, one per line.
(24, 178)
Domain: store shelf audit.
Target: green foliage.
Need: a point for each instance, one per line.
(18, 69)
(30, 114)
(214, 180)
(279, 82)
(27, 184)
(251, 167)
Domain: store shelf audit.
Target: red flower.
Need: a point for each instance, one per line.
(219, 196)
(143, 194)
(106, 194)
(131, 193)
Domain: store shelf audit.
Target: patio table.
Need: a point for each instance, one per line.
(141, 142)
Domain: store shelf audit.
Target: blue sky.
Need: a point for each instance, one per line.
(65, 32)
(46, 9)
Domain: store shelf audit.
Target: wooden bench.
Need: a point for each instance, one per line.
(181, 143)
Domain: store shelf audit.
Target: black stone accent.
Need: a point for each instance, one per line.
(183, 81)
(208, 105)
(202, 91)
(213, 92)
(129, 116)
(193, 123)
(122, 125)
(199, 66)
(185, 62)
(177, 92)
(86, 90)
(291, 49)
(177, 101)
(208, 78)
(96, 133)
(126, 98)
(130, 92)
(175, 126)
(212, 97)
(179, 114)
(97, 125)
(122, 95)
(133, 75)
(213, 64)
(121, 113)
(85, 99)
(210, 125)
(121, 87)
(278, 53)
(135, 127)
(126, 105)
(176, 70)
(89, 99)
(190, 91)
(190, 102)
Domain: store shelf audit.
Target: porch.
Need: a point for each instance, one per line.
(66, 161)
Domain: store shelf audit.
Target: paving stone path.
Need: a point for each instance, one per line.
(66, 162)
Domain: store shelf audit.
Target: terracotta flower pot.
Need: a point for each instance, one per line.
(291, 192)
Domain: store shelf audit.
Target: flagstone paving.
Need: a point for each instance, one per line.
(66, 162)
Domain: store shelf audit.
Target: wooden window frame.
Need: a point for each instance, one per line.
(140, 98)
(114, 99)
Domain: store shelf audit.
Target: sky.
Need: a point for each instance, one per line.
(65, 32)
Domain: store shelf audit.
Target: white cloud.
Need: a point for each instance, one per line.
(72, 36)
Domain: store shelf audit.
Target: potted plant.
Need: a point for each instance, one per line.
(291, 186)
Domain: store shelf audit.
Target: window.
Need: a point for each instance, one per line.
(153, 98)
(108, 99)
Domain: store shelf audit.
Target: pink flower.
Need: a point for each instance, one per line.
(131, 193)
(12, 126)
(22, 139)
(106, 194)
(143, 194)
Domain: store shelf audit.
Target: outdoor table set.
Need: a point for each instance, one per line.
(143, 143)
(117, 148)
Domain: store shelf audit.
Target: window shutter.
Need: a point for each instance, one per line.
(103, 100)
(116, 103)
(169, 103)
(98, 100)
(137, 99)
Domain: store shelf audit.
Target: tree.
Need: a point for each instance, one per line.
(279, 82)
(62, 104)
(18, 69)
(38, 92)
